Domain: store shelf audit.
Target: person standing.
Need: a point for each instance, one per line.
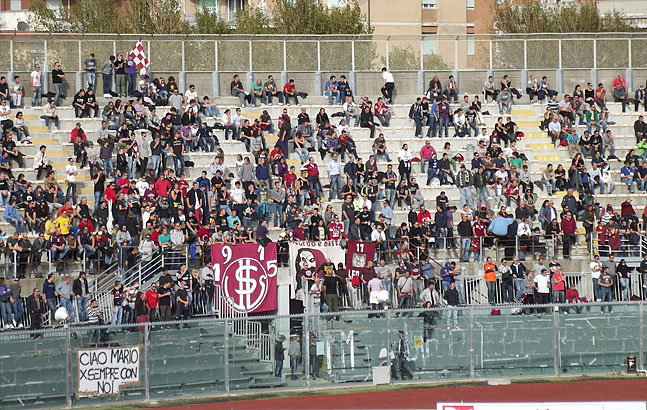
(542, 287)
(596, 270)
(279, 356)
(294, 351)
(119, 66)
(70, 179)
(131, 72)
(165, 299)
(36, 309)
(57, 81)
(152, 300)
(330, 289)
(605, 283)
(405, 291)
(451, 297)
(16, 303)
(518, 274)
(107, 75)
(49, 295)
(388, 85)
(401, 356)
(66, 294)
(464, 181)
(81, 292)
(415, 114)
(489, 270)
(36, 87)
(94, 314)
(90, 67)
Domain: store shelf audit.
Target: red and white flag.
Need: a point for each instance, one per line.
(138, 55)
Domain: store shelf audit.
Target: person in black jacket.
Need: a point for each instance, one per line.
(451, 297)
(36, 310)
(416, 114)
(366, 121)
(81, 293)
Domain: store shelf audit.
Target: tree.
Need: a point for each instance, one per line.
(314, 17)
(572, 17)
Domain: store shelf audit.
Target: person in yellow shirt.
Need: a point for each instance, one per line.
(50, 226)
(63, 222)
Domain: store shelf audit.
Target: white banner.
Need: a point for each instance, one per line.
(624, 405)
(103, 371)
(313, 254)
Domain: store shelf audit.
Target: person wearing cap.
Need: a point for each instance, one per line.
(402, 355)
(279, 356)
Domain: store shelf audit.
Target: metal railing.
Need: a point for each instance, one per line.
(336, 52)
(479, 345)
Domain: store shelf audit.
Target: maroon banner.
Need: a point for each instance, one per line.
(359, 253)
(247, 274)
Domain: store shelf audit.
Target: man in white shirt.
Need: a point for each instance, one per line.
(388, 85)
(5, 112)
(70, 179)
(343, 126)
(541, 285)
(190, 94)
(177, 236)
(554, 130)
(378, 236)
(593, 172)
(238, 196)
(35, 87)
(334, 172)
(16, 91)
(596, 270)
(350, 110)
(460, 124)
(430, 295)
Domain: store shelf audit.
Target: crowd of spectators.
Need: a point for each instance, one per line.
(142, 207)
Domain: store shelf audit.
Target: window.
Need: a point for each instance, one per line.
(470, 4)
(212, 5)
(428, 44)
(16, 5)
(470, 45)
(428, 4)
(337, 4)
(233, 7)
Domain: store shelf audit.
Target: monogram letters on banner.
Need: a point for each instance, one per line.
(247, 275)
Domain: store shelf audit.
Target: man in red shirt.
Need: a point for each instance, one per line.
(313, 176)
(110, 194)
(289, 180)
(162, 186)
(124, 183)
(568, 231)
(151, 301)
(290, 91)
(423, 214)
